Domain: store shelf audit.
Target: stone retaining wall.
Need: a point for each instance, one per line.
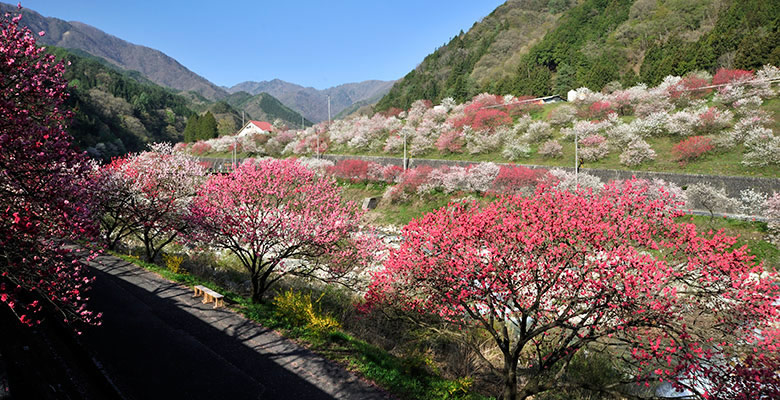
(732, 184)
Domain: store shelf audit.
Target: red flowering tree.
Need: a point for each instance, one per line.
(511, 178)
(353, 170)
(558, 272)
(691, 148)
(280, 218)
(481, 114)
(43, 199)
(723, 76)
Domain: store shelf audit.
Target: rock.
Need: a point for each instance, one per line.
(370, 203)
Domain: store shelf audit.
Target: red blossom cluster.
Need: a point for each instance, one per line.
(549, 275)
(44, 191)
(723, 76)
(483, 115)
(692, 148)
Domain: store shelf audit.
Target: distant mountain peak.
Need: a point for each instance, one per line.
(313, 103)
(154, 64)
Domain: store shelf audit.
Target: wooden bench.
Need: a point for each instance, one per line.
(209, 296)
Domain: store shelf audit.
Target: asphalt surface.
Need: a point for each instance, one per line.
(158, 342)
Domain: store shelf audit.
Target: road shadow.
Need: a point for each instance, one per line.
(157, 342)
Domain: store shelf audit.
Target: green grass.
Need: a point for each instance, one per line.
(400, 213)
(406, 378)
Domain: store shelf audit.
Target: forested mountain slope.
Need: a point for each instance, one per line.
(543, 47)
(115, 111)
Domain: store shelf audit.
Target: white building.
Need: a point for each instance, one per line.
(255, 127)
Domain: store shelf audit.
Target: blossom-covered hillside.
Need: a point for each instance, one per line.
(721, 124)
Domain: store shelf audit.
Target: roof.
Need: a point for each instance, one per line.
(266, 126)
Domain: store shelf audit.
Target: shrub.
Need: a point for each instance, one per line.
(682, 123)
(480, 177)
(691, 148)
(297, 310)
(562, 115)
(395, 143)
(515, 150)
(200, 148)
(490, 119)
(600, 109)
(752, 202)
(687, 88)
(537, 132)
(551, 149)
(594, 148)
(709, 198)
(447, 179)
(352, 170)
(413, 178)
(713, 119)
(450, 142)
(637, 152)
(772, 206)
(391, 173)
(724, 76)
(763, 148)
(480, 142)
(514, 177)
(182, 146)
(569, 181)
(173, 263)
(316, 164)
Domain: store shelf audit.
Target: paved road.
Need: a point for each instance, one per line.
(157, 342)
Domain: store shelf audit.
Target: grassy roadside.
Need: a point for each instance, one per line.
(405, 378)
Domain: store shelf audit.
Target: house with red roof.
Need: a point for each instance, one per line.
(256, 127)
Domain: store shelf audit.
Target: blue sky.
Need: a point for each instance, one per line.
(312, 43)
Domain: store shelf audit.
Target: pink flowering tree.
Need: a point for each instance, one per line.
(279, 218)
(161, 184)
(551, 275)
(112, 200)
(43, 193)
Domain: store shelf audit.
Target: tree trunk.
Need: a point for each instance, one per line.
(258, 289)
(510, 378)
(149, 247)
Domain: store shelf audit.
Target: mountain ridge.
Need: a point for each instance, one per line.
(165, 70)
(311, 102)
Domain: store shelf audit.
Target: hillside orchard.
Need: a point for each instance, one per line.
(675, 126)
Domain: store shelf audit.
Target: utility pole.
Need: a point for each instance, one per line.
(406, 161)
(576, 160)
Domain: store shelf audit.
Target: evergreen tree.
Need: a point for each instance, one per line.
(207, 127)
(566, 79)
(191, 130)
